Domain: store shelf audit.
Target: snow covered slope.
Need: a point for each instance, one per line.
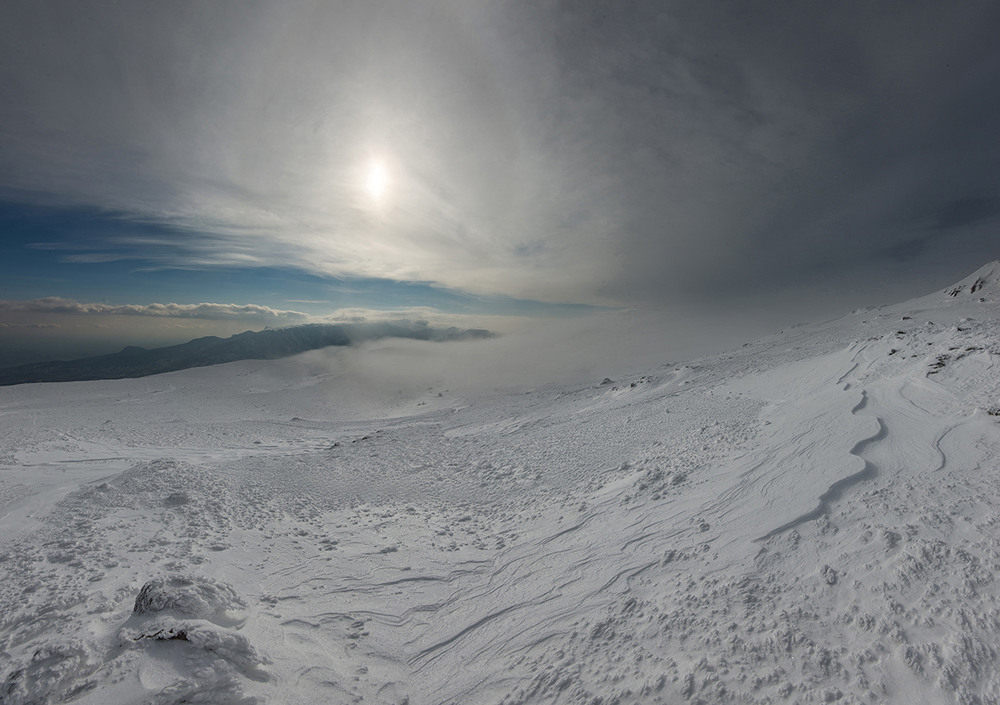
(814, 517)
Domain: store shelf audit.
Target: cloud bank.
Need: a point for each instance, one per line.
(208, 311)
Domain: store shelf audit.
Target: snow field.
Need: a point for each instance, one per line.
(810, 518)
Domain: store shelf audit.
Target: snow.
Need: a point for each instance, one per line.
(812, 517)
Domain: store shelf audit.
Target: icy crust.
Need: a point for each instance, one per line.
(814, 517)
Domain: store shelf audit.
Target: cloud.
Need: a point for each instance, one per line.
(7, 324)
(581, 350)
(968, 211)
(97, 257)
(208, 311)
(423, 315)
(588, 152)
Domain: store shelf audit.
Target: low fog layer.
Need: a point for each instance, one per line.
(570, 351)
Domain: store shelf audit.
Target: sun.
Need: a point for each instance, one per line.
(377, 180)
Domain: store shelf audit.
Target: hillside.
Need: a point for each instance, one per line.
(813, 517)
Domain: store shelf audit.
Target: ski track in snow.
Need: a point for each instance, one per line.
(812, 518)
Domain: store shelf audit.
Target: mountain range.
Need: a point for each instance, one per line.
(269, 344)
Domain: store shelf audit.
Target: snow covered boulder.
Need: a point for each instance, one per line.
(188, 627)
(192, 598)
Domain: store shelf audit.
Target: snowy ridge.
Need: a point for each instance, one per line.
(982, 283)
(814, 517)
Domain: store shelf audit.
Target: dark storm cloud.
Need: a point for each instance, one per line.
(967, 211)
(569, 151)
(755, 140)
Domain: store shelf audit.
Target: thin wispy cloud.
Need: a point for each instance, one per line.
(209, 311)
(36, 326)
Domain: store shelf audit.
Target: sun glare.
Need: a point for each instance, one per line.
(377, 180)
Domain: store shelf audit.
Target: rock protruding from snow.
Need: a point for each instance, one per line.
(199, 618)
(192, 598)
(981, 283)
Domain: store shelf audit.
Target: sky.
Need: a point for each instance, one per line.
(174, 169)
